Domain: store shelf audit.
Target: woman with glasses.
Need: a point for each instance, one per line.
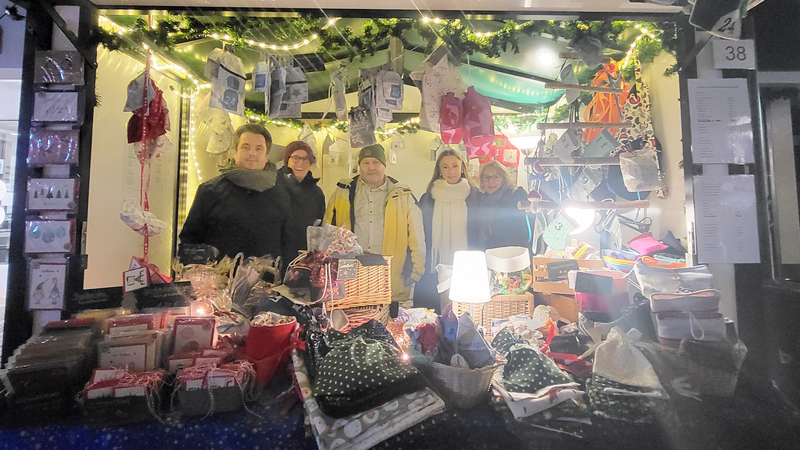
(502, 223)
(450, 222)
(307, 199)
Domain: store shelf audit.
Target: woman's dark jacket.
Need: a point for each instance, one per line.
(502, 224)
(307, 204)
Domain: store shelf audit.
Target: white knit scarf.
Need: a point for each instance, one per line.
(449, 232)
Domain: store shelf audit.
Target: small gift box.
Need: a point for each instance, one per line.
(120, 396)
(214, 388)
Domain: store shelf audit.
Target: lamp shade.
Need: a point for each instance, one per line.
(470, 280)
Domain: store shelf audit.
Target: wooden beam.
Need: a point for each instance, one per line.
(606, 206)
(577, 125)
(573, 55)
(557, 162)
(577, 87)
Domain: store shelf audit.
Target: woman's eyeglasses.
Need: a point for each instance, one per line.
(491, 178)
(297, 159)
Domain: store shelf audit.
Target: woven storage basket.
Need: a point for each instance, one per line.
(363, 314)
(464, 388)
(712, 380)
(371, 286)
(499, 307)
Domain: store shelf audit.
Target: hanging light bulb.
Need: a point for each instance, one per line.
(583, 217)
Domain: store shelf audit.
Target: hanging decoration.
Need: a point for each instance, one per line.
(148, 125)
(226, 72)
(307, 135)
(435, 78)
(288, 90)
(605, 107)
(639, 165)
(219, 124)
(337, 91)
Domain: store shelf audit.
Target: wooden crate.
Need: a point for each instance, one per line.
(372, 286)
(499, 307)
(566, 305)
(542, 284)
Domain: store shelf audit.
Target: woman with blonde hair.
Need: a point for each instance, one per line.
(502, 224)
(449, 208)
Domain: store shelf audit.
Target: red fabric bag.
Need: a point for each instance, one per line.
(268, 347)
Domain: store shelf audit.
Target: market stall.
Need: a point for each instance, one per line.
(599, 330)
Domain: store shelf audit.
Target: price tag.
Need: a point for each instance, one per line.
(734, 54)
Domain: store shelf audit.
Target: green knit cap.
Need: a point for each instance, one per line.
(373, 151)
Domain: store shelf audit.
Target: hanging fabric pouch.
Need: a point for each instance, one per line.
(640, 171)
(451, 119)
(361, 128)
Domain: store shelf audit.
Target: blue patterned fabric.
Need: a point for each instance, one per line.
(238, 430)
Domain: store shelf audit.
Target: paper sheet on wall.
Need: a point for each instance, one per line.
(721, 121)
(132, 170)
(725, 219)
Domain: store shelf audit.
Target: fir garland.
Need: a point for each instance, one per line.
(343, 42)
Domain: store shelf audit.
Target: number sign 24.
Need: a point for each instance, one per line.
(734, 54)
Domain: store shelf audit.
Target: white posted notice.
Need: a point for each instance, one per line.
(722, 132)
(725, 219)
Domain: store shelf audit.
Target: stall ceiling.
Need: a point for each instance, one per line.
(530, 6)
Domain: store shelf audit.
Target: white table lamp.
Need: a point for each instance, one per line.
(470, 280)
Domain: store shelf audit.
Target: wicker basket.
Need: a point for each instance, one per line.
(372, 286)
(499, 307)
(464, 388)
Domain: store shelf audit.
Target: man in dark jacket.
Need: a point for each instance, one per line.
(243, 210)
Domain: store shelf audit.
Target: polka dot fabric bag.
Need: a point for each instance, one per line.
(528, 369)
(361, 372)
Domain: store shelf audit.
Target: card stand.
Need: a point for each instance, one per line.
(105, 411)
(41, 408)
(197, 402)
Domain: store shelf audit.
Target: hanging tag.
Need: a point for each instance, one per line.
(555, 235)
(260, 77)
(568, 143)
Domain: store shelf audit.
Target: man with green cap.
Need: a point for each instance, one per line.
(383, 214)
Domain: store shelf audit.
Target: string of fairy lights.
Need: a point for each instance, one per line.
(644, 32)
(161, 62)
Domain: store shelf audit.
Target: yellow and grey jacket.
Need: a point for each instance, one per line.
(403, 235)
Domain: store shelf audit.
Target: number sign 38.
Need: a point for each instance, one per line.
(734, 54)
